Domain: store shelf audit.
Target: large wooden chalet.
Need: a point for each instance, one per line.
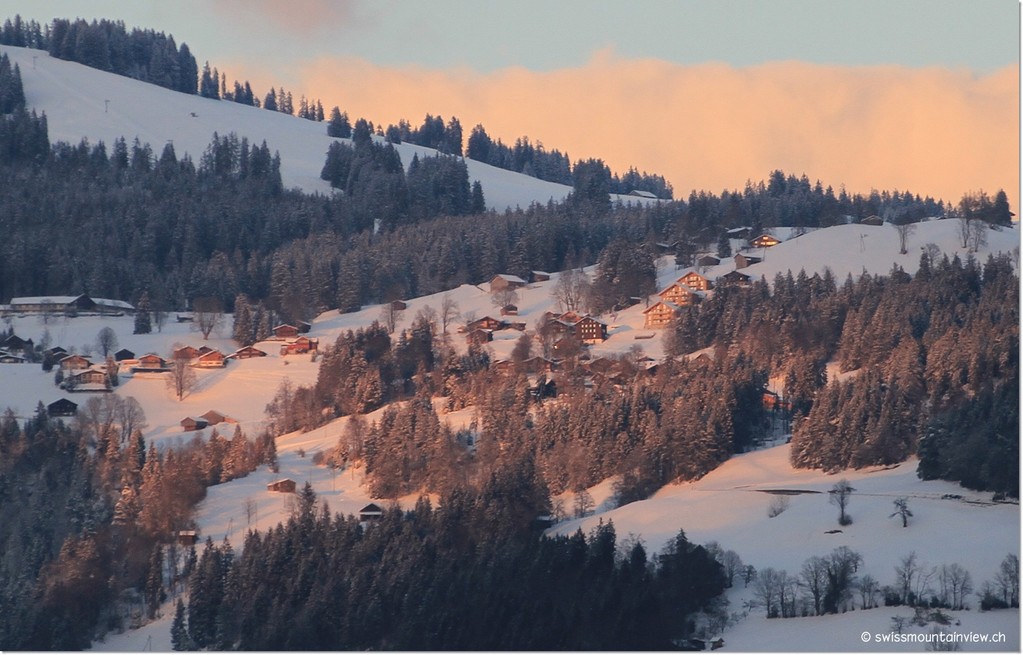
(301, 345)
(695, 281)
(660, 314)
(680, 294)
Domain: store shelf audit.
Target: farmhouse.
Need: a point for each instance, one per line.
(9, 358)
(69, 305)
(187, 353)
(503, 281)
(590, 330)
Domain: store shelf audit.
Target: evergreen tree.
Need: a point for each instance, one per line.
(143, 324)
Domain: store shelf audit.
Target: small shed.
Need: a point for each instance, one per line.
(283, 486)
(187, 538)
(873, 219)
(707, 260)
(541, 276)
(742, 260)
(510, 310)
(399, 305)
(62, 407)
(371, 512)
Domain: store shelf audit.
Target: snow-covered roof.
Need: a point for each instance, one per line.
(510, 278)
(642, 194)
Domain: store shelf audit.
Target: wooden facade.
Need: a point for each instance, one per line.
(62, 407)
(680, 295)
(282, 486)
(742, 260)
(765, 241)
(285, 331)
(503, 281)
(659, 315)
(248, 352)
(695, 281)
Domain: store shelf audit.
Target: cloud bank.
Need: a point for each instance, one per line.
(713, 126)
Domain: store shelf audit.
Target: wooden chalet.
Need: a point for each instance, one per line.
(680, 294)
(123, 354)
(152, 363)
(738, 233)
(735, 278)
(10, 358)
(371, 512)
(742, 260)
(74, 363)
(707, 260)
(589, 330)
(399, 305)
(211, 359)
(503, 281)
(301, 345)
(91, 379)
(16, 345)
(485, 323)
(479, 337)
(873, 219)
(187, 353)
(193, 423)
(282, 486)
(540, 276)
(695, 281)
(639, 193)
(213, 417)
(56, 353)
(285, 331)
(248, 352)
(765, 241)
(510, 310)
(62, 407)
(660, 314)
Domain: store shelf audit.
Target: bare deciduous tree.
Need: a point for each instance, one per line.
(181, 378)
(839, 495)
(448, 312)
(208, 314)
(570, 289)
(106, 340)
(901, 510)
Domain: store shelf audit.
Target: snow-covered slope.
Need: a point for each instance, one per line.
(82, 102)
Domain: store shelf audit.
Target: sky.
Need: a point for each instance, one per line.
(919, 95)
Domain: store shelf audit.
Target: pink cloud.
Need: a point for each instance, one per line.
(300, 17)
(713, 126)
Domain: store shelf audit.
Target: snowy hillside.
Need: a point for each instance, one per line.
(82, 102)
